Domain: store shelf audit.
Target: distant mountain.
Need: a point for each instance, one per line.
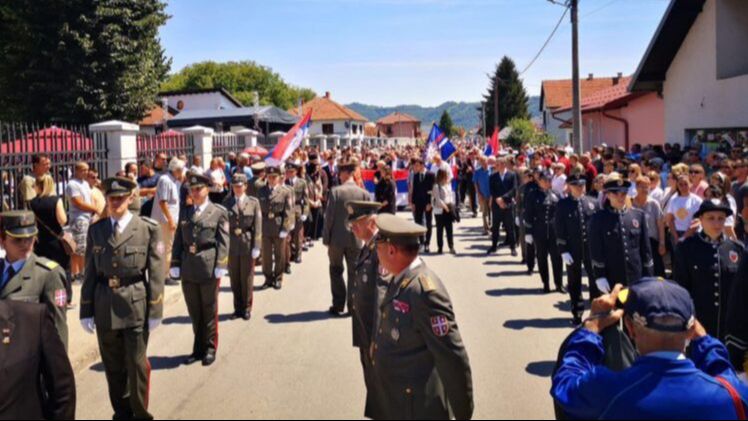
(464, 114)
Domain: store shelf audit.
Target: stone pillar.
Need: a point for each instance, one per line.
(203, 143)
(321, 142)
(334, 141)
(249, 136)
(121, 143)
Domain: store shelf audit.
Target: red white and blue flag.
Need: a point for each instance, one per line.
(400, 177)
(290, 142)
(494, 145)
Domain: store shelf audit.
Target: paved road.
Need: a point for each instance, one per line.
(292, 361)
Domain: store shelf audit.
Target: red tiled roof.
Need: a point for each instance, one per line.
(325, 109)
(155, 117)
(558, 93)
(607, 97)
(398, 117)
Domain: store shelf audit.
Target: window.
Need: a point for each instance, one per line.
(328, 129)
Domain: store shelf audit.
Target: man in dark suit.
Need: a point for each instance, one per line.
(420, 200)
(31, 349)
(503, 192)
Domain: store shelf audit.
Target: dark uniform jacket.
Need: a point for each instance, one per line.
(505, 189)
(708, 271)
(245, 225)
(41, 281)
(116, 291)
(522, 192)
(619, 246)
(301, 197)
(201, 244)
(365, 294)
(423, 187)
(336, 232)
(572, 219)
(540, 213)
(277, 209)
(419, 359)
(737, 318)
(30, 350)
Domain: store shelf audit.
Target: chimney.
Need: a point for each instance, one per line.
(591, 76)
(617, 79)
(327, 94)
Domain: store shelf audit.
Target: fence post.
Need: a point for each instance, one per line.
(202, 138)
(121, 143)
(249, 136)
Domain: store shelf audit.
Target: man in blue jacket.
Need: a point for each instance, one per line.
(662, 383)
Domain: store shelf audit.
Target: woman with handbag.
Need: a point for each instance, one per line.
(444, 211)
(51, 218)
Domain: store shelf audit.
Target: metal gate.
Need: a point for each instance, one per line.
(225, 143)
(172, 143)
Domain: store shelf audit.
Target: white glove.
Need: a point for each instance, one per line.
(220, 273)
(88, 325)
(603, 285)
(517, 221)
(303, 218)
(529, 239)
(175, 273)
(255, 253)
(153, 324)
(568, 260)
(283, 235)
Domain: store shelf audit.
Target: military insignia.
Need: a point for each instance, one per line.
(734, 257)
(383, 272)
(194, 180)
(51, 265)
(401, 306)
(160, 248)
(115, 185)
(61, 298)
(395, 334)
(426, 283)
(440, 326)
(350, 210)
(591, 206)
(238, 232)
(620, 183)
(636, 223)
(6, 336)
(271, 215)
(193, 249)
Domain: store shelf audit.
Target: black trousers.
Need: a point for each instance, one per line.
(424, 218)
(659, 264)
(128, 372)
(503, 217)
(545, 246)
(444, 223)
(339, 286)
(574, 275)
(202, 305)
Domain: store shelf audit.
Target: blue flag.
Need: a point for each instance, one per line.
(439, 142)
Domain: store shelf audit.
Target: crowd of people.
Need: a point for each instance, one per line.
(625, 219)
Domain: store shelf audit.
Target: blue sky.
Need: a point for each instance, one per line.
(392, 52)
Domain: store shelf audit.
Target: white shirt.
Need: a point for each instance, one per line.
(684, 209)
(122, 223)
(559, 184)
(200, 209)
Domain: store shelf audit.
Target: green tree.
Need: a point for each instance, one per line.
(242, 79)
(513, 98)
(80, 60)
(446, 125)
(524, 132)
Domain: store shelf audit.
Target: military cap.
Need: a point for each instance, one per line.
(259, 167)
(348, 167)
(617, 185)
(543, 175)
(119, 186)
(18, 224)
(358, 209)
(273, 171)
(398, 231)
(291, 166)
(576, 180)
(197, 180)
(651, 300)
(714, 206)
(239, 178)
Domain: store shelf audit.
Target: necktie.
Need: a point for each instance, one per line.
(11, 273)
(115, 235)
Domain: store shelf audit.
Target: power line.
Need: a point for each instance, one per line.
(548, 41)
(605, 6)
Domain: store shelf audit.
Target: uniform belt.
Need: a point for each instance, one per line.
(197, 249)
(115, 282)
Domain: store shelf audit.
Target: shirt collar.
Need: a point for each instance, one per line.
(201, 208)
(17, 266)
(413, 266)
(122, 222)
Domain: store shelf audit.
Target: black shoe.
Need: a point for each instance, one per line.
(288, 270)
(278, 285)
(561, 289)
(247, 316)
(440, 252)
(209, 359)
(192, 359)
(426, 250)
(492, 250)
(298, 260)
(546, 290)
(576, 321)
(266, 285)
(235, 316)
(514, 252)
(335, 312)
(452, 251)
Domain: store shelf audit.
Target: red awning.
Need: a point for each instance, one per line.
(49, 140)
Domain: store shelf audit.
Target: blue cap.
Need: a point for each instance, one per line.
(651, 299)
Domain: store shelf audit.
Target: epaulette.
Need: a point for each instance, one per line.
(47, 264)
(149, 221)
(221, 207)
(426, 283)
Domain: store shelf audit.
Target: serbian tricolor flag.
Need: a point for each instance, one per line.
(494, 146)
(400, 177)
(290, 142)
(438, 142)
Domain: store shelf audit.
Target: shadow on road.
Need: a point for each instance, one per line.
(306, 317)
(157, 363)
(541, 368)
(507, 273)
(557, 323)
(501, 263)
(513, 292)
(185, 320)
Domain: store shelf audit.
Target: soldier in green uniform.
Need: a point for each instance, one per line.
(301, 210)
(292, 223)
(200, 256)
(27, 277)
(258, 179)
(245, 227)
(122, 297)
(419, 360)
(276, 203)
(365, 294)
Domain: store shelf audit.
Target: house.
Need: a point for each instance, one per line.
(620, 118)
(155, 121)
(697, 62)
(265, 119)
(200, 99)
(399, 125)
(556, 95)
(330, 118)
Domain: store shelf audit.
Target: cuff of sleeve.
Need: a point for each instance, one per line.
(220, 273)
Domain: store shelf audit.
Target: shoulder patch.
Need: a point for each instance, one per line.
(426, 283)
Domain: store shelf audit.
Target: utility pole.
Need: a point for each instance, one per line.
(483, 118)
(496, 103)
(576, 84)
